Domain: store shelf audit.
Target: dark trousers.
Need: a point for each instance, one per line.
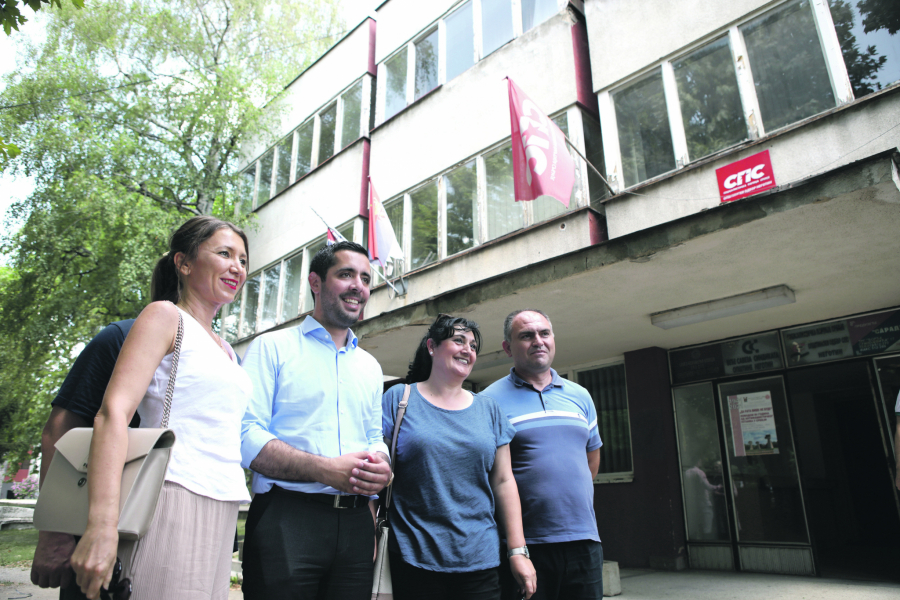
(73, 592)
(300, 550)
(414, 583)
(565, 571)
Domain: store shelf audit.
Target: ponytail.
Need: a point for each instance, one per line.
(164, 285)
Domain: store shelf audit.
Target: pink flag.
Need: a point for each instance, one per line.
(541, 162)
(383, 244)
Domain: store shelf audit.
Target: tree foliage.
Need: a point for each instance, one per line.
(130, 116)
(11, 17)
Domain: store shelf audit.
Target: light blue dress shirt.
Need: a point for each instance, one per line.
(312, 396)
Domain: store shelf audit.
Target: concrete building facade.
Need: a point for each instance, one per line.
(728, 296)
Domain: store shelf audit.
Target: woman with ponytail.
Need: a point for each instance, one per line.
(187, 552)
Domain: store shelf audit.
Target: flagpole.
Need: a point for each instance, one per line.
(324, 222)
(584, 158)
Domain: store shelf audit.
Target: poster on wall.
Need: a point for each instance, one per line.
(874, 334)
(753, 424)
(861, 336)
(817, 343)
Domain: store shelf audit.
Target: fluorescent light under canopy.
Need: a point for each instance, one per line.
(724, 307)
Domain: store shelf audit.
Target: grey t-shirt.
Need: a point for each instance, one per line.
(442, 508)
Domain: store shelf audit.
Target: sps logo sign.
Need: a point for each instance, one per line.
(745, 177)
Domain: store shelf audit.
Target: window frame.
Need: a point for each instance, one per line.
(572, 375)
(834, 64)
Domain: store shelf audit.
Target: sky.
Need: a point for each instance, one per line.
(18, 188)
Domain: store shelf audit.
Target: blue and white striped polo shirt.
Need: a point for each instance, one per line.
(555, 429)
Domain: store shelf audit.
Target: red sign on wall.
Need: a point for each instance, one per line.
(746, 177)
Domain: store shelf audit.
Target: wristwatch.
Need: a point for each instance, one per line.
(513, 551)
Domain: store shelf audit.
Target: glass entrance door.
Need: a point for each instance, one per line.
(769, 517)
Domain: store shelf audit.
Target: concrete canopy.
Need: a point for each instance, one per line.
(832, 238)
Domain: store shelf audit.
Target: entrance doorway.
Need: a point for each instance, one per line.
(851, 506)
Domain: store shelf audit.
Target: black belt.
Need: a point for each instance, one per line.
(333, 500)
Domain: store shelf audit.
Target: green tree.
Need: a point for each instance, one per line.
(11, 17)
(132, 115)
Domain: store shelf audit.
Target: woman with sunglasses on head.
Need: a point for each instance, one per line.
(187, 551)
(453, 474)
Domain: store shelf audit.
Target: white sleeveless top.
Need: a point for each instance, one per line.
(211, 396)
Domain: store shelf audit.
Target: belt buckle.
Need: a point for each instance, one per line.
(337, 501)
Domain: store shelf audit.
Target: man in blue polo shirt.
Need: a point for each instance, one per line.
(555, 457)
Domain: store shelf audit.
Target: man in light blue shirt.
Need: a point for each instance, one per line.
(312, 436)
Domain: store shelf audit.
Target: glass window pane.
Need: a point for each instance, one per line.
(871, 50)
(293, 279)
(504, 214)
(462, 197)
(424, 226)
(230, 319)
(328, 120)
(460, 41)
(426, 64)
(251, 303)
(701, 463)
(272, 278)
(710, 102)
(788, 66)
(266, 164)
(496, 24)
(347, 231)
(395, 86)
(762, 463)
(283, 169)
(535, 12)
(246, 186)
(544, 207)
(643, 123)
(304, 148)
(350, 120)
(593, 150)
(394, 210)
(607, 387)
(308, 305)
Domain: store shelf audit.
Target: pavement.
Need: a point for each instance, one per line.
(637, 584)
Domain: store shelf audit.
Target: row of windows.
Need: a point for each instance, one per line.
(455, 43)
(474, 202)
(336, 126)
(773, 66)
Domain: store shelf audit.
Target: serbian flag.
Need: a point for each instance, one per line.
(334, 236)
(542, 165)
(383, 244)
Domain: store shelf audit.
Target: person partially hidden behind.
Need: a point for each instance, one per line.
(555, 457)
(312, 436)
(76, 404)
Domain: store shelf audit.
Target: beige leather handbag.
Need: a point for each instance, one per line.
(62, 505)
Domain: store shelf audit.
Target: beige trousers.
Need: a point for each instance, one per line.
(186, 554)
